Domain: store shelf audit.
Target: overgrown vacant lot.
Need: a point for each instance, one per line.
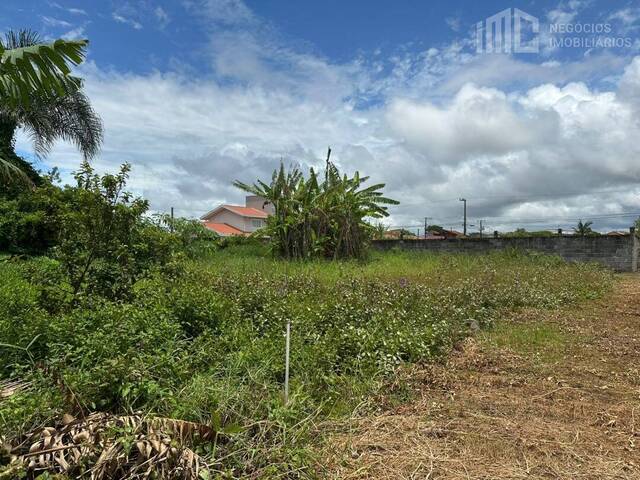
(542, 394)
(203, 341)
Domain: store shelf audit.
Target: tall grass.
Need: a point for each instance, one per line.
(206, 342)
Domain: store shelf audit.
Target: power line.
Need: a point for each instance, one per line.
(496, 219)
(529, 197)
(516, 221)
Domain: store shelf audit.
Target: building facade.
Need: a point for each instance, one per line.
(238, 220)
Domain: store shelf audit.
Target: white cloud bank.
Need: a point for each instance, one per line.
(549, 153)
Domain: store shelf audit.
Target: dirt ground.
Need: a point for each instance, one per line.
(545, 394)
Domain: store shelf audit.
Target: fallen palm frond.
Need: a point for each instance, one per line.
(106, 446)
(11, 387)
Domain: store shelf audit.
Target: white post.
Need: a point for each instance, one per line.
(286, 362)
(635, 249)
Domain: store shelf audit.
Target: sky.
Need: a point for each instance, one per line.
(536, 134)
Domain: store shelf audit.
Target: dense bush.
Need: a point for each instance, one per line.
(105, 243)
(100, 236)
(30, 217)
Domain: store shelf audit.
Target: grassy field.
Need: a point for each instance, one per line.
(202, 340)
(541, 394)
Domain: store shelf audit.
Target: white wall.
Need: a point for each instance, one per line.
(249, 227)
(230, 218)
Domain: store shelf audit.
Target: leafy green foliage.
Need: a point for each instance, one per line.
(584, 229)
(30, 218)
(207, 345)
(37, 69)
(39, 94)
(523, 232)
(99, 235)
(105, 244)
(193, 237)
(316, 218)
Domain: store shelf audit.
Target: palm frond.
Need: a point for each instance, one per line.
(30, 70)
(10, 172)
(108, 446)
(69, 117)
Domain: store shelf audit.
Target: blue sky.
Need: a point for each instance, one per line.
(154, 34)
(196, 93)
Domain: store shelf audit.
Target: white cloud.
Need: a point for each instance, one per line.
(479, 121)
(453, 23)
(74, 34)
(128, 21)
(76, 11)
(521, 141)
(54, 22)
(229, 12)
(162, 16)
(628, 16)
(565, 12)
(73, 11)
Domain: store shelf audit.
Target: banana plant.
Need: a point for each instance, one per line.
(328, 218)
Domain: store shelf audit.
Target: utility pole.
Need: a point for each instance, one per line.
(171, 220)
(426, 222)
(464, 200)
(481, 228)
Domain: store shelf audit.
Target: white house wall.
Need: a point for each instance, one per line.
(230, 218)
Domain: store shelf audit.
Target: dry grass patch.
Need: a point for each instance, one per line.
(542, 395)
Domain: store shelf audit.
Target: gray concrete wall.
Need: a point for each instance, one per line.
(617, 252)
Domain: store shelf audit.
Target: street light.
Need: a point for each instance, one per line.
(465, 215)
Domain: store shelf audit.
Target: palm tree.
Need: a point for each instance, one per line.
(38, 93)
(583, 229)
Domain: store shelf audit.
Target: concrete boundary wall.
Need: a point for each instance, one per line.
(619, 253)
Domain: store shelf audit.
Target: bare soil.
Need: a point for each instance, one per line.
(544, 395)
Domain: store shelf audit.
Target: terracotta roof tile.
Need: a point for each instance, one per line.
(223, 229)
(247, 211)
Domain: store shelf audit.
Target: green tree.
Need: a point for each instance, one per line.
(105, 241)
(583, 228)
(320, 218)
(38, 92)
(30, 217)
(523, 232)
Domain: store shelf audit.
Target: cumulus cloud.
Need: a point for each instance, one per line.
(434, 126)
(478, 121)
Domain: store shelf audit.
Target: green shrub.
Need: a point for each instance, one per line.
(30, 218)
(23, 322)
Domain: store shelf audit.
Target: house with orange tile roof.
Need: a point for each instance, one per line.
(230, 220)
